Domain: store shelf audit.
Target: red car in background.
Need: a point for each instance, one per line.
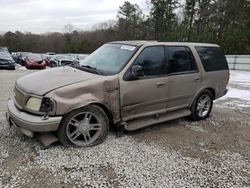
(35, 61)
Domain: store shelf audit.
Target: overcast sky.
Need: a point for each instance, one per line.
(39, 16)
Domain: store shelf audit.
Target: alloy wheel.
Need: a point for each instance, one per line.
(83, 128)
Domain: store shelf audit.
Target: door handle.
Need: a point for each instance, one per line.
(161, 84)
(197, 79)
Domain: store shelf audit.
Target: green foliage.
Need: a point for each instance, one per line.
(164, 18)
(130, 20)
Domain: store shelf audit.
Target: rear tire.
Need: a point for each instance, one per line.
(202, 106)
(84, 127)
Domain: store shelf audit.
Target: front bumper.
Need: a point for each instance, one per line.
(7, 66)
(35, 66)
(30, 122)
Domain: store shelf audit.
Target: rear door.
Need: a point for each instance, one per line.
(184, 78)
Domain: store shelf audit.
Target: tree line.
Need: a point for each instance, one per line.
(225, 22)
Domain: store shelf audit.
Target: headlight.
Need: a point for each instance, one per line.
(34, 103)
(47, 105)
(37, 104)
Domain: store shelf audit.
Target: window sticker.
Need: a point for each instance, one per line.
(127, 47)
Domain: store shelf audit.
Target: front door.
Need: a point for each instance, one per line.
(147, 94)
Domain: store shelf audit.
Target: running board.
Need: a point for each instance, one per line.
(144, 122)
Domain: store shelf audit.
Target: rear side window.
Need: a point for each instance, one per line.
(212, 58)
(180, 59)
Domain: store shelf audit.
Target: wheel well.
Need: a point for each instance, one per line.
(106, 110)
(209, 89)
(212, 91)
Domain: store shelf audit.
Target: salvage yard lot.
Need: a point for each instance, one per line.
(180, 153)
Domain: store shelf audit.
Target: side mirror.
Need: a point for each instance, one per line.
(133, 73)
(136, 71)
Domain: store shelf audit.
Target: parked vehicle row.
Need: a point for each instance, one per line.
(41, 61)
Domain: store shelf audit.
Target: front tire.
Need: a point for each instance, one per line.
(84, 127)
(202, 106)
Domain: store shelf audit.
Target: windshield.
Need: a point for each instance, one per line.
(63, 57)
(25, 54)
(5, 56)
(109, 58)
(35, 57)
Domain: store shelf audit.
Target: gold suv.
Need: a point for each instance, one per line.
(129, 84)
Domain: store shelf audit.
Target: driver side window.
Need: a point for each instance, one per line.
(152, 60)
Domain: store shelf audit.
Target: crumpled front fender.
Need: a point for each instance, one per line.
(102, 91)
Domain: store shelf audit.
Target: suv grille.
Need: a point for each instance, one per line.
(19, 97)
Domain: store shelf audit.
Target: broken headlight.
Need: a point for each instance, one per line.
(47, 105)
(40, 104)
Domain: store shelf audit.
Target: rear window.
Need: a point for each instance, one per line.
(64, 63)
(212, 58)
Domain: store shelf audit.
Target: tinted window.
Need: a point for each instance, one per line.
(152, 59)
(64, 63)
(212, 58)
(180, 59)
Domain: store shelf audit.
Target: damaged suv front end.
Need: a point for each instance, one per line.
(32, 113)
(40, 107)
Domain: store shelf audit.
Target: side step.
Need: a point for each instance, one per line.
(144, 122)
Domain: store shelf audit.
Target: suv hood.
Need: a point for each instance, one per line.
(42, 82)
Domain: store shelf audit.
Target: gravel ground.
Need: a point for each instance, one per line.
(180, 153)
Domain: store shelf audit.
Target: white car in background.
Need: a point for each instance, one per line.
(63, 60)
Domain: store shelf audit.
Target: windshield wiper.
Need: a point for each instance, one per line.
(93, 68)
(88, 68)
